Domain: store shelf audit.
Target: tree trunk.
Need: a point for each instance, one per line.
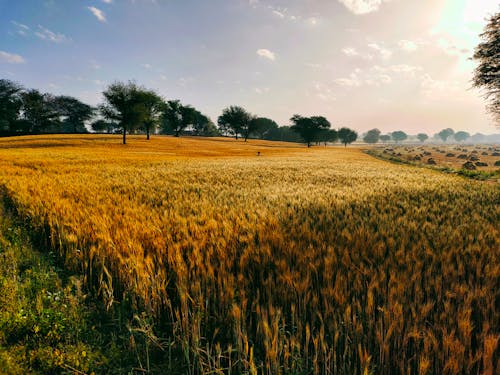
(124, 135)
(308, 144)
(147, 133)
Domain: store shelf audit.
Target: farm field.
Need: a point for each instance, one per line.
(322, 260)
(484, 159)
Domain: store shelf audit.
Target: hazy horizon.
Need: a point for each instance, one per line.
(389, 64)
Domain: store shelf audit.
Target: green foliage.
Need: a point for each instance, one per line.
(309, 128)
(372, 136)
(74, 112)
(262, 126)
(422, 137)
(445, 134)
(461, 136)
(39, 111)
(487, 73)
(10, 105)
(235, 121)
(385, 138)
(347, 136)
(399, 136)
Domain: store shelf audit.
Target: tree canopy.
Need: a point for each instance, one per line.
(123, 104)
(445, 134)
(399, 136)
(347, 136)
(461, 136)
(487, 73)
(236, 121)
(309, 128)
(372, 136)
(422, 137)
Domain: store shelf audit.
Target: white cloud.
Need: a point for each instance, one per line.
(99, 14)
(261, 91)
(362, 6)
(350, 51)
(382, 51)
(146, 66)
(46, 34)
(22, 29)
(11, 58)
(408, 45)
(352, 81)
(266, 54)
(405, 69)
(107, 1)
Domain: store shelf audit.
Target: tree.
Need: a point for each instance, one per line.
(309, 128)
(152, 107)
(461, 136)
(399, 136)
(372, 136)
(204, 126)
(74, 112)
(445, 134)
(172, 118)
(422, 137)
(327, 135)
(39, 111)
(10, 105)
(385, 138)
(347, 136)
(123, 104)
(284, 134)
(487, 73)
(235, 120)
(261, 126)
(100, 126)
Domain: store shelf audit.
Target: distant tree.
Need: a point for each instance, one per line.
(445, 134)
(235, 121)
(487, 73)
(422, 137)
(261, 126)
(461, 136)
(309, 128)
(172, 121)
(10, 105)
(399, 136)
(385, 138)
(347, 136)
(74, 113)
(284, 134)
(372, 136)
(123, 105)
(204, 126)
(152, 107)
(38, 111)
(100, 126)
(327, 135)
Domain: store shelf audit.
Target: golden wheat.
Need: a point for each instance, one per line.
(295, 261)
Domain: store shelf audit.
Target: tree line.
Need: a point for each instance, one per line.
(445, 135)
(129, 108)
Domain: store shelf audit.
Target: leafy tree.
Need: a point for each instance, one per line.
(100, 126)
(347, 136)
(261, 126)
(461, 136)
(445, 134)
(422, 137)
(327, 135)
(204, 126)
(487, 73)
(123, 105)
(172, 118)
(39, 111)
(235, 120)
(385, 138)
(284, 134)
(152, 107)
(10, 105)
(399, 136)
(309, 128)
(372, 136)
(74, 112)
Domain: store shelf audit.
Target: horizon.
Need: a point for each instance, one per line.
(338, 59)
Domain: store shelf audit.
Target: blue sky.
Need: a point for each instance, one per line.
(391, 64)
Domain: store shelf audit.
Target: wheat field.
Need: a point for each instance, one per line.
(320, 261)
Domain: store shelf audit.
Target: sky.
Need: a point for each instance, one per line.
(386, 64)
